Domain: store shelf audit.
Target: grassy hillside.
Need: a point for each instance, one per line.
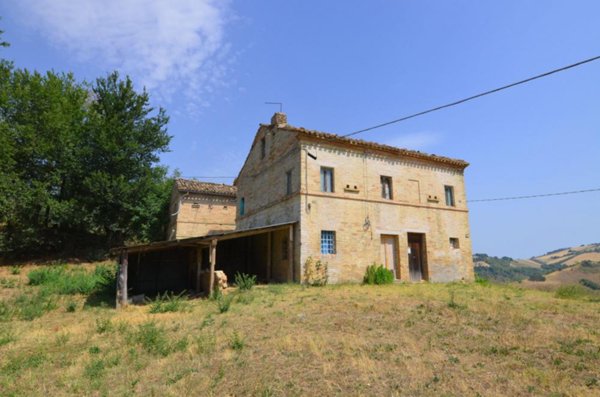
(404, 339)
(572, 275)
(536, 269)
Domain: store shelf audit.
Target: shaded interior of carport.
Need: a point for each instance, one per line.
(185, 265)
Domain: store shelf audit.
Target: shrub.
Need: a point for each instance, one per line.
(45, 275)
(8, 283)
(95, 369)
(71, 306)
(537, 277)
(16, 269)
(377, 274)
(236, 342)
(590, 264)
(152, 338)
(453, 304)
(103, 325)
(315, 272)
(570, 292)
(6, 311)
(57, 279)
(590, 284)
(30, 307)
(206, 343)
(6, 336)
(245, 282)
(223, 303)
(168, 303)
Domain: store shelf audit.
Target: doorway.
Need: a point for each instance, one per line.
(389, 254)
(417, 261)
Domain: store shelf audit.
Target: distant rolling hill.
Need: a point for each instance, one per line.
(552, 269)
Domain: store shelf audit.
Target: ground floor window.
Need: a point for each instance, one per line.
(327, 242)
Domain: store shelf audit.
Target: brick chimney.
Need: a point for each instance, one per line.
(279, 119)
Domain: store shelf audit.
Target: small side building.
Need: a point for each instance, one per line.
(201, 209)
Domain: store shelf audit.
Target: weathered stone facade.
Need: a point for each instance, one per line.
(200, 209)
(281, 182)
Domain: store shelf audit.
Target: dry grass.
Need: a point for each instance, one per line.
(348, 340)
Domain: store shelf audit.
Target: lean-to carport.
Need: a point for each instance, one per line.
(190, 264)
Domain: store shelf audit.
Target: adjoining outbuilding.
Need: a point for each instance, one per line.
(190, 264)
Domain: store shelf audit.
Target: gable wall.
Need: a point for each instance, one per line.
(262, 181)
(201, 215)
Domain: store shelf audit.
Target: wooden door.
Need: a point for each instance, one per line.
(389, 254)
(415, 257)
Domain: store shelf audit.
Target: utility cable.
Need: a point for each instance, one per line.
(539, 76)
(536, 195)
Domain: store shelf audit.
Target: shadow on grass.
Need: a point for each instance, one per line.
(104, 297)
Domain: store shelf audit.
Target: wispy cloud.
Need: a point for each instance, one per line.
(415, 140)
(170, 47)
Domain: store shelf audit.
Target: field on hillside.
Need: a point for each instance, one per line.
(285, 340)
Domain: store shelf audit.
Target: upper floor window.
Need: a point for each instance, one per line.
(242, 206)
(449, 193)
(263, 148)
(327, 242)
(288, 182)
(454, 244)
(386, 187)
(327, 179)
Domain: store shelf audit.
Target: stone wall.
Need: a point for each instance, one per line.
(200, 215)
(359, 215)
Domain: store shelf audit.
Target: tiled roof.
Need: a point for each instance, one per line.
(374, 145)
(193, 186)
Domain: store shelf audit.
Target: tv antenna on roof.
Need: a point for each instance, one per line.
(276, 103)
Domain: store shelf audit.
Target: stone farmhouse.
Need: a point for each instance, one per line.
(307, 194)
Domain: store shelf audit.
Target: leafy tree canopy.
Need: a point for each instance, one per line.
(79, 162)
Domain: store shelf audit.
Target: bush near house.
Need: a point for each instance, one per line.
(377, 274)
(315, 272)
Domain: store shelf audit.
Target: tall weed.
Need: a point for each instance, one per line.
(168, 302)
(60, 280)
(244, 281)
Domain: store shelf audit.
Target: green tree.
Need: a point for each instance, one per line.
(124, 188)
(42, 119)
(80, 163)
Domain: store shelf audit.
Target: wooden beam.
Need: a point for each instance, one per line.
(198, 268)
(213, 262)
(122, 280)
(269, 250)
(291, 254)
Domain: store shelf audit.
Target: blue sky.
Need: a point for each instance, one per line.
(339, 66)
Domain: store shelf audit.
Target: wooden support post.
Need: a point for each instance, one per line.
(213, 262)
(122, 280)
(198, 268)
(291, 254)
(269, 250)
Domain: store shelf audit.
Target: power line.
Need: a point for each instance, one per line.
(536, 195)
(210, 177)
(539, 76)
